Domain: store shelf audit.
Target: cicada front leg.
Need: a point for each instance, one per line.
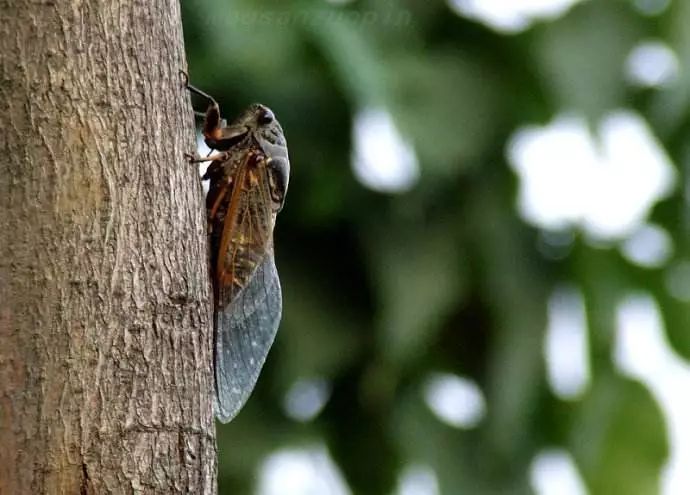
(215, 157)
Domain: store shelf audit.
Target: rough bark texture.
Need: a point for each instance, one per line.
(105, 356)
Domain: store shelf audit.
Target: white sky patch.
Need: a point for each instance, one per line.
(382, 159)
(510, 16)
(677, 280)
(605, 185)
(553, 164)
(306, 398)
(454, 400)
(553, 472)
(652, 64)
(567, 347)
(417, 479)
(650, 246)
(309, 471)
(643, 353)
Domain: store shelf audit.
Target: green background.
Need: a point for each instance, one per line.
(382, 289)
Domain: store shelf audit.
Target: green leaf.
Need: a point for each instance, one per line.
(619, 442)
(447, 104)
(581, 57)
(419, 277)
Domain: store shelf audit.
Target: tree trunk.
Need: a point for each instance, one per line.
(105, 350)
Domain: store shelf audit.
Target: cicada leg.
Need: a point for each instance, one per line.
(216, 157)
(221, 194)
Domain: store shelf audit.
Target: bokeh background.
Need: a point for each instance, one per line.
(484, 249)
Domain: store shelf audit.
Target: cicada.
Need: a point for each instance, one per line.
(248, 176)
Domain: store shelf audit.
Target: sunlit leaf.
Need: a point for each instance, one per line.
(619, 442)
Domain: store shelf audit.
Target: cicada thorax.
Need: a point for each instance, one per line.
(240, 220)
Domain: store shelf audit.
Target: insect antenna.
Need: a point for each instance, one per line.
(195, 90)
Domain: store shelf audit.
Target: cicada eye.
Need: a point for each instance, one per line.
(266, 117)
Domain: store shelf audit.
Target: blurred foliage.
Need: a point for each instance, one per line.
(382, 289)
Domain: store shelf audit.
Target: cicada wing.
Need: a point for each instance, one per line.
(245, 330)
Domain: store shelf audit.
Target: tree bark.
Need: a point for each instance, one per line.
(105, 350)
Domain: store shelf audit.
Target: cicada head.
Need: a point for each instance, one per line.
(259, 122)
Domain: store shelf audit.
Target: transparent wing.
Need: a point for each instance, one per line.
(248, 300)
(245, 331)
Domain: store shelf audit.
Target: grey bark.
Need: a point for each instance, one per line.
(105, 351)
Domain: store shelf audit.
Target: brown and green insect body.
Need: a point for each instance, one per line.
(240, 224)
(248, 179)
